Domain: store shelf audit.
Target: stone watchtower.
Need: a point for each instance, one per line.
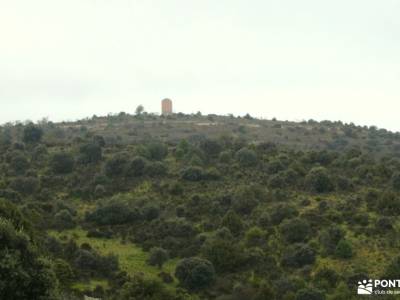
(166, 107)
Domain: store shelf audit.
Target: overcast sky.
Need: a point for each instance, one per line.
(290, 59)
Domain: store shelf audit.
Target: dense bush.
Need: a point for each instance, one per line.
(318, 180)
(24, 273)
(344, 249)
(112, 214)
(32, 134)
(62, 163)
(25, 185)
(90, 153)
(158, 256)
(137, 166)
(298, 256)
(116, 165)
(192, 173)
(295, 230)
(195, 273)
(246, 157)
(157, 150)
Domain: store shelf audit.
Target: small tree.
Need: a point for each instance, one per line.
(90, 153)
(255, 237)
(195, 273)
(157, 150)
(62, 163)
(116, 166)
(246, 157)
(139, 110)
(393, 269)
(32, 134)
(298, 256)
(310, 294)
(233, 222)
(192, 173)
(137, 166)
(295, 230)
(318, 180)
(344, 249)
(158, 256)
(395, 181)
(19, 163)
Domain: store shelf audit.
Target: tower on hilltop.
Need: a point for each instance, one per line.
(166, 107)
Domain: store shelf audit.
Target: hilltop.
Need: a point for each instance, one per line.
(123, 128)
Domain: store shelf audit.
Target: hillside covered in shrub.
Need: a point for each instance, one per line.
(196, 207)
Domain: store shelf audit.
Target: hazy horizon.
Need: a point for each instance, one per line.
(286, 59)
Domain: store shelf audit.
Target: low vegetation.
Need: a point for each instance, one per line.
(196, 207)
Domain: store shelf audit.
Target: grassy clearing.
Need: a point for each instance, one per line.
(90, 285)
(132, 259)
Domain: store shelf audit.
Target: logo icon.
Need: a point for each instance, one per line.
(365, 287)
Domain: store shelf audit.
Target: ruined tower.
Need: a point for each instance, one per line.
(166, 107)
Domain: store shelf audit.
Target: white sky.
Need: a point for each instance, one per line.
(290, 59)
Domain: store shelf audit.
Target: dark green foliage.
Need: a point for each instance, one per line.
(344, 249)
(326, 278)
(225, 157)
(192, 173)
(393, 268)
(246, 199)
(91, 262)
(39, 153)
(195, 273)
(384, 224)
(25, 185)
(140, 288)
(11, 213)
(223, 251)
(395, 181)
(233, 222)
(298, 256)
(32, 134)
(19, 163)
(244, 205)
(99, 140)
(64, 273)
(158, 256)
(389, 203)
(116, 166)
(156, 169)
(90, 153)
(255, 237)
(137, 166)
(150, 212)
(281, 212)
(310, 294)
(246, 157)
(295, 230)
(318, 180)
(261, 263)
(330, 238)
(62, 163)
(211, 147)
(112, 214)
(64, 220)
(23, 273)
(157, 151)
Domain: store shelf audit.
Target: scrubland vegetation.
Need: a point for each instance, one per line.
(196, 207)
